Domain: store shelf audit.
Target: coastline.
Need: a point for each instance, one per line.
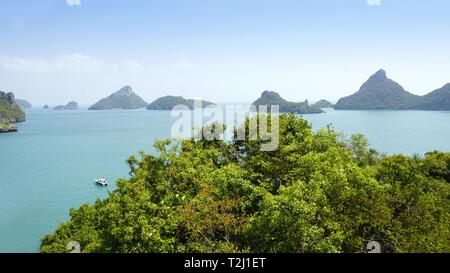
(8, 129)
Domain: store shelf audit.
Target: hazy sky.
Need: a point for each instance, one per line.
(53, 51)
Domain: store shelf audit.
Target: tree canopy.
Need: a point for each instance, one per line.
(318, 192)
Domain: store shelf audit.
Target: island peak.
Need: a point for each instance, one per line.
(124, 91)
(382, 93)
(377, 93)
(379, 76)
(324, 104)
(125, 98)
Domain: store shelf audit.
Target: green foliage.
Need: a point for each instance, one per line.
(419, 203)
(437, 165)
(363, 155)
(6, 124)
(315, 193)
(7, 127)
(9, 113)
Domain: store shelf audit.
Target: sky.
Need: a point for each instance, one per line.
(55, 51)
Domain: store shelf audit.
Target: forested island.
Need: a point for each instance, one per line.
(317, 192)
(169, 102)
(10, 113)
(382, 93)
(125, 98)
(324, 104)
(23, 104)
(73, 105)
(271, 98)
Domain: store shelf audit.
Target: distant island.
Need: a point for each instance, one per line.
(69, 106)
(270, 98)
(23, 104)
(169, 102)
(323, 104)
(125, 98)
(10, 112)
(438, 100)
(382, 93)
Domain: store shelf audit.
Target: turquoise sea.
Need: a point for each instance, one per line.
(48, 167)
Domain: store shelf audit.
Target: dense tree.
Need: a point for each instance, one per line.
(315, 193)
(9, 110)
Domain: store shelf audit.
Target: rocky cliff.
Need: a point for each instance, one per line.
(9, 110)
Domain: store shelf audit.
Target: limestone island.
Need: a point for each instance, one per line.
(69, 106)
(167, 103)
(271, 98)
(324, 104)
(10, 113)
(125, 98)
(381, 93)
(23, 104)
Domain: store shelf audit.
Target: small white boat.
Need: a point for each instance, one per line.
(101, 182)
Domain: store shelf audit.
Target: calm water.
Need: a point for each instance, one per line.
(48, 167)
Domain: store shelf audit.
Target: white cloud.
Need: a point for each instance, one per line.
(185, 65)
(373, 2)
(77, 62)
(73, 2)
(133, 65)
(68, 62)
